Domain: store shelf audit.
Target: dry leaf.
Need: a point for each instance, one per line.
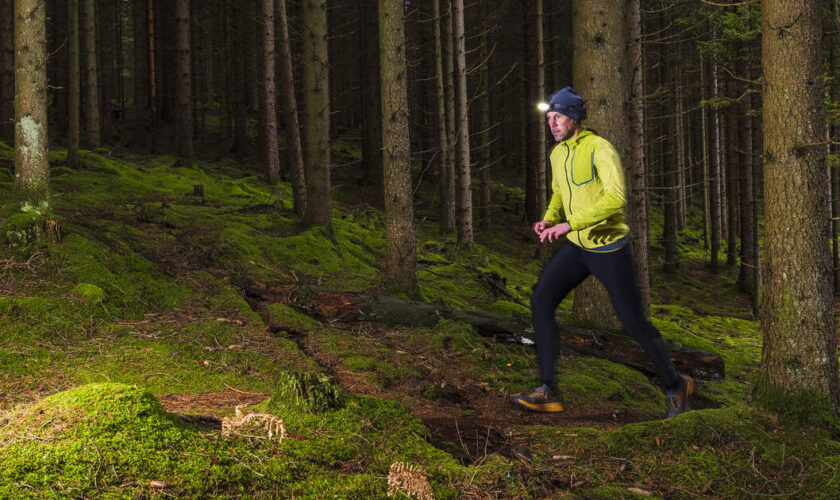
(707, 488)
(235, 346)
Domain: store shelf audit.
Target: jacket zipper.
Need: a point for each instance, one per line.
(569, 184)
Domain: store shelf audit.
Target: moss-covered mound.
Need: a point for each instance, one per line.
(105, 440)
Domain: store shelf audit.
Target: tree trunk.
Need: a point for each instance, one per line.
(372, 131)
(715, 201)
(538, 118)
(599, 39)
(463, 204)
(240, 83)
(669, 165)
(109, 46)
(400, 246)
(680, 160)
(637, 216)
(484, 126)
(7, 71)
(73, 92)
(31, 142)
(799, 355)
(707, 188)
(316, 112)
(446, 187)
(732, 168)
(268, 94)
(746, 274)
(94, 138)
(294, 155)
(141, 75)
(451, 124)
(183, 81)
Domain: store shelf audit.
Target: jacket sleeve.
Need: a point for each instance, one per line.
(555, 213)
(613, 198)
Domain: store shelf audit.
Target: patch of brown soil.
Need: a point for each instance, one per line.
(209, 401)
(468, 419)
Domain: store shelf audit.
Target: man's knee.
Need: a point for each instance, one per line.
(542, 300)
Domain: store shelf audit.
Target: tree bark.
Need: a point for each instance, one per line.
(704, 151)
(109, 46)
(463, 204)
(73, 91)
(183, 81)
(732, 167)
(7, 71)
(715, 202)
(637, 217)
(600, 76)
(451, 124)
(94, 138)
(538, 118)
(140, 75)
(799, 355)
(746, 273)
(268, 94)
(240, 83)
(446, 186)
(372, 125)
(400, 245)
(294, 154)
(31, 141)
(669, 165)
(484, 126)
(316, 112)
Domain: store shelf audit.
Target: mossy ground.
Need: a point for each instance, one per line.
(145, 301)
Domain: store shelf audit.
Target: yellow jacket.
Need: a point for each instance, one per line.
(588, 192)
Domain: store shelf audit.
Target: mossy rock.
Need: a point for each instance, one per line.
(511, 309)
(91, 294)
(22, 231)
(306, 393)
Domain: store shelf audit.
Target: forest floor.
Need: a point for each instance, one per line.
(126, 347)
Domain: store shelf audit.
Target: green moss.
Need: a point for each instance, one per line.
(722, 453)
(512, 309)
(281, 315)
(306, 392)
(23, 232)
(92, 294)
(796, 408)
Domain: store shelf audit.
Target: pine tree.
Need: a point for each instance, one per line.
(400, 245)
(799, 355)
(31, 143)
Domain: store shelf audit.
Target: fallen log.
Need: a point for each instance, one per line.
(614, 346)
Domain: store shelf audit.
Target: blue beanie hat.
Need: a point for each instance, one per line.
(568, 102)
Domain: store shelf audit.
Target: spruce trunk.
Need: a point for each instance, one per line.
(799, 354)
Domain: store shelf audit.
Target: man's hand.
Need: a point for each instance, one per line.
(554, 231)
(542, 225)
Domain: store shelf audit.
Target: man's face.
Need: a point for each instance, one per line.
(562, 127)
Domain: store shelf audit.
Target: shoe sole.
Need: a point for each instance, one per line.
(544, 407)
(689, 390)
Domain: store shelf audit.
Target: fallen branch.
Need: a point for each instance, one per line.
(614, 346)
